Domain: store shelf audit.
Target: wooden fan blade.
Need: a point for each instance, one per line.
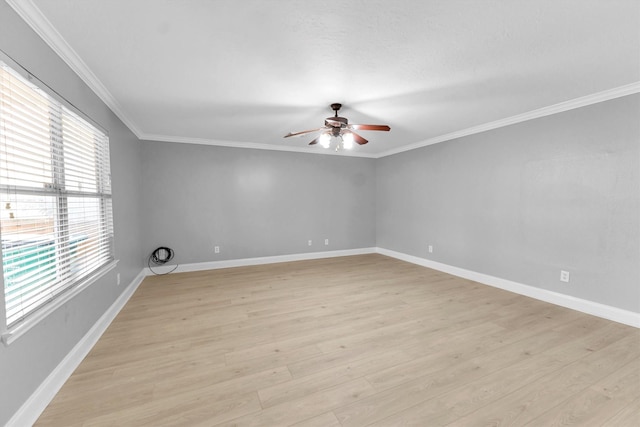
(358, 139)
(370, 127)
(304, 132)
(315, 141)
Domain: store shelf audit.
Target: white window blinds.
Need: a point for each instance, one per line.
(55, 197)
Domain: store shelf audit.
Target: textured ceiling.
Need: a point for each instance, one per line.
(247, 72)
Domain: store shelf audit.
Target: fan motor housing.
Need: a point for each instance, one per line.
(336, 121)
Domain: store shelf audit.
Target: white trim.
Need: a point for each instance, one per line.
(3, 310)
(572, 104)
(585, 306)
(13, 333)
(44, 394)
(583, 101)
(214, 265)
(32, 15)
(255, 146)
(42, 86)
(39, 23)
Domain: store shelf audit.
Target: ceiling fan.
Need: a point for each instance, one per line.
(339, 127)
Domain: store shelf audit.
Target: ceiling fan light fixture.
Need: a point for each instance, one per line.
(325, 140)
(338, 128)
(347, 141)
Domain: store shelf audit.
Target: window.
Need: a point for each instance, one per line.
(55, 199)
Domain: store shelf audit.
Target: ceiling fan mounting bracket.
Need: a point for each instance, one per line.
(336, 121)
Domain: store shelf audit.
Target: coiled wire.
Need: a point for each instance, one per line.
(161, 256)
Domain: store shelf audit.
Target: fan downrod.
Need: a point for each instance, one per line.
(336, 107)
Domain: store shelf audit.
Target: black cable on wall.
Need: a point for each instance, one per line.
(161, 256)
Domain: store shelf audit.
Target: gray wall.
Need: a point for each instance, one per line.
(253, 203)
(520, 203)
(525, 201)
(31, 358)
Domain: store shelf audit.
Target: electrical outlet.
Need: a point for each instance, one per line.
(430, 249)
(310, 242)
(118, 279)
(326, 242)
(216, 249)
(564, 276)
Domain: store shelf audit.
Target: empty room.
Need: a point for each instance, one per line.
(320, 213)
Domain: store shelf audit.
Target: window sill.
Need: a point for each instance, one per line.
(23, 327)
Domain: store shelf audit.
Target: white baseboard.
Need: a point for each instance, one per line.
(38, 401)
(30, 411)
(34, 406)
(585, 306)
(214, 265)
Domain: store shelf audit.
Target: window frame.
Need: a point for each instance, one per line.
(9, 333)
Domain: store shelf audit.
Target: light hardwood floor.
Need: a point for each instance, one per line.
(352, 341)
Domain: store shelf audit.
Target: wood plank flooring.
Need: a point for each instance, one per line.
(352, 341)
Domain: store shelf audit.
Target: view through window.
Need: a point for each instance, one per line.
(55, 197)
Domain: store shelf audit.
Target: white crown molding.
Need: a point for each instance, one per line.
(585, 306)
(534, 114)
(254, 146)
(572, 104)
(34, 17)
